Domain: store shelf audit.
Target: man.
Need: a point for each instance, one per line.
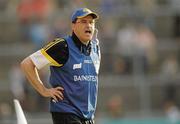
(74, 65)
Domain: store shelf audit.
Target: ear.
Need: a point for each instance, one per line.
(72, 26)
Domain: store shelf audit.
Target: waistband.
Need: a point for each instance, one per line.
(69, 115)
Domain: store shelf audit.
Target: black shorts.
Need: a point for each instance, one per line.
(68, 118)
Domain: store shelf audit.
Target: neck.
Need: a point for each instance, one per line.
(83, 42)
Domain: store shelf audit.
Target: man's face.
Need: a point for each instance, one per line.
(84, 28)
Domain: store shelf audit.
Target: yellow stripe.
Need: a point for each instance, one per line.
(53, 43)
(53, 62)
(50, 45)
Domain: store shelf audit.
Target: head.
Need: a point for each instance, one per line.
(83, 24)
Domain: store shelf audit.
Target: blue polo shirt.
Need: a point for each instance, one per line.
(79, 78)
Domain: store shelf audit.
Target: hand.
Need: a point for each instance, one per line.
(55, 93)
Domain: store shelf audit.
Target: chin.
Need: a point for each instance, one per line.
(88, 39)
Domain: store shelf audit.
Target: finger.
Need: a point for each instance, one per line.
(58, 96)
(59, 88)
(54, 99)
(60, 93)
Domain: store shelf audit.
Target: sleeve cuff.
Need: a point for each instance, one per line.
(39, 59)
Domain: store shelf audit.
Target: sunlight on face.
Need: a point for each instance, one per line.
(84, 28)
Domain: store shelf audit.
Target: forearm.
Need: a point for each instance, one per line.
(32, 75)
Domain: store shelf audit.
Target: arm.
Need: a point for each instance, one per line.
(31, 72)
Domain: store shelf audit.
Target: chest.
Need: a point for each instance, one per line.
(81, 63)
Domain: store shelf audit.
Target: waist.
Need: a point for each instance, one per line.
(77, 107)
(71, 117)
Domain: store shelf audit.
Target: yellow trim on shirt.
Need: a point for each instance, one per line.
(55, 41)
(53, 62)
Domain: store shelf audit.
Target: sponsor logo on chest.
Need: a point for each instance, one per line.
(77, 66)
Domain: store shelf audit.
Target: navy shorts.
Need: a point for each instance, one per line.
(68, 118)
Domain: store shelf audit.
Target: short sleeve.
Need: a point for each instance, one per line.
(56, 52)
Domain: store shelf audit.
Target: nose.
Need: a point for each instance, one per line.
(88, 23)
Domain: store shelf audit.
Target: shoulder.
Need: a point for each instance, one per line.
(55, 44)
(56, 51)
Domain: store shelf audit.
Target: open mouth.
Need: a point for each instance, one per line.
(88, 31)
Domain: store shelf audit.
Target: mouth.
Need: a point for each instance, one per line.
(88, 31)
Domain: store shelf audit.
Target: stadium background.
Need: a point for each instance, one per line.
(139, 76)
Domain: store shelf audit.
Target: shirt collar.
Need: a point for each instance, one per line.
(86, 49)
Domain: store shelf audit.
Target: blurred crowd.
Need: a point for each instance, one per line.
(129, 37)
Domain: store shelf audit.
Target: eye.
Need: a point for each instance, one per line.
(83, 21)
(86, 22)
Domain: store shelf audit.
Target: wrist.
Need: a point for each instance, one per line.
(42, 90)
